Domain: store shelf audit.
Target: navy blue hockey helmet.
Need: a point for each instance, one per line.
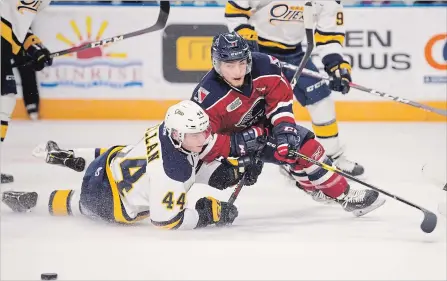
(229, 47)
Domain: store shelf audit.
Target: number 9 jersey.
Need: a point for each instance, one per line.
(127, 184)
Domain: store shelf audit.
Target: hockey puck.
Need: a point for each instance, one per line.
(48, 276)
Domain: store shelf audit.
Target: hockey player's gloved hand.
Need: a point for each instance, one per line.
(212, 211)
(252, 167)
(40, 56)
(245, 142)
(340, 72)
(287, 141)
(248, 32)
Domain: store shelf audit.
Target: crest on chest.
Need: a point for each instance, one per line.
(253, 115)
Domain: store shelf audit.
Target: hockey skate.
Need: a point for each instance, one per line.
(20, 201)
(56, 156)
(5, 178)
(360, 202)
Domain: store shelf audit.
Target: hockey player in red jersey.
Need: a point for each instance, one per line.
(247, 96)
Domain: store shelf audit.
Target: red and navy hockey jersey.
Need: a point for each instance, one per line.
(266, 96)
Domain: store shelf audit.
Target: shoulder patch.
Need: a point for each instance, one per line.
(202, 93)
(274, 61)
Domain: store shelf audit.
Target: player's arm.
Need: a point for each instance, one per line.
(237, 14)
(222, 145)
(279, 102)
(330, 38)
(168, 206)
(279, 99)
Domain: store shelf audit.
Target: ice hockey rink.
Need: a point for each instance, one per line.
(280, 234)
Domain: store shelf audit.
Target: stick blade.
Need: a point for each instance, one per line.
(429, 222)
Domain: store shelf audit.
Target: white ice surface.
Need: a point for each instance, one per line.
(280, 234)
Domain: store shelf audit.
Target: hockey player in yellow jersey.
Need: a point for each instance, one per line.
(277, 28)
(16, 19)
(126, 184)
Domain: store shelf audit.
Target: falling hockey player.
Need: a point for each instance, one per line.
(126, 184)
(16, 19)
(277, 28)
(247, 96)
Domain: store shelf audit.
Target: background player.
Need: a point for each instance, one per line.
(247, 96)
(126, 184)
(16, 19)
(277, 29)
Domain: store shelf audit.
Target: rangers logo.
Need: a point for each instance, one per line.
(253, 115)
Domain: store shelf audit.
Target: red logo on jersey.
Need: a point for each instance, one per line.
(201, 94)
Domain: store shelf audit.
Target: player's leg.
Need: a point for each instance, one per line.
(313, 178)
(30, 91)
(97, 199)
(314, 94)
(7, 97)
(76, 159)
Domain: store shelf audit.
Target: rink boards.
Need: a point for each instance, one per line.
(389, 48)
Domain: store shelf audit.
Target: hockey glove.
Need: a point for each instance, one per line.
(252, 167)
(40, 56)
(212, 211)
(340, 72)
(231, 170)
(287, 142)
(248, 32)
(245, 142)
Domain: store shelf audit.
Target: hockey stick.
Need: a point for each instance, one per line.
(430, 219)
(160, 24)
(314, 74)
(236, 191)
(309, 28)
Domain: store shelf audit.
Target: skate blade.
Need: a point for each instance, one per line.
(379, 202)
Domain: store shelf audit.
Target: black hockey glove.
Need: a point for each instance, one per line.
(252, 167)
(212, 211)
(40, 56)
(287, 141)
(340, 72)
(231, 170)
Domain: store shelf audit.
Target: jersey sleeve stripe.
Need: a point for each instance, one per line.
(8, 35)
(283, 117)
(118, 210)
(274, 44)
(30, 40)
(323, 38)
(234, 10)
(173, 223)
(281, 105)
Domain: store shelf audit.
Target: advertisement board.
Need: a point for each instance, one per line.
(389, 49)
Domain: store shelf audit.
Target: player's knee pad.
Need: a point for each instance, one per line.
(59, 203)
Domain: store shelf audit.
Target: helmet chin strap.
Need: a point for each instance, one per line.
(178, 145)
